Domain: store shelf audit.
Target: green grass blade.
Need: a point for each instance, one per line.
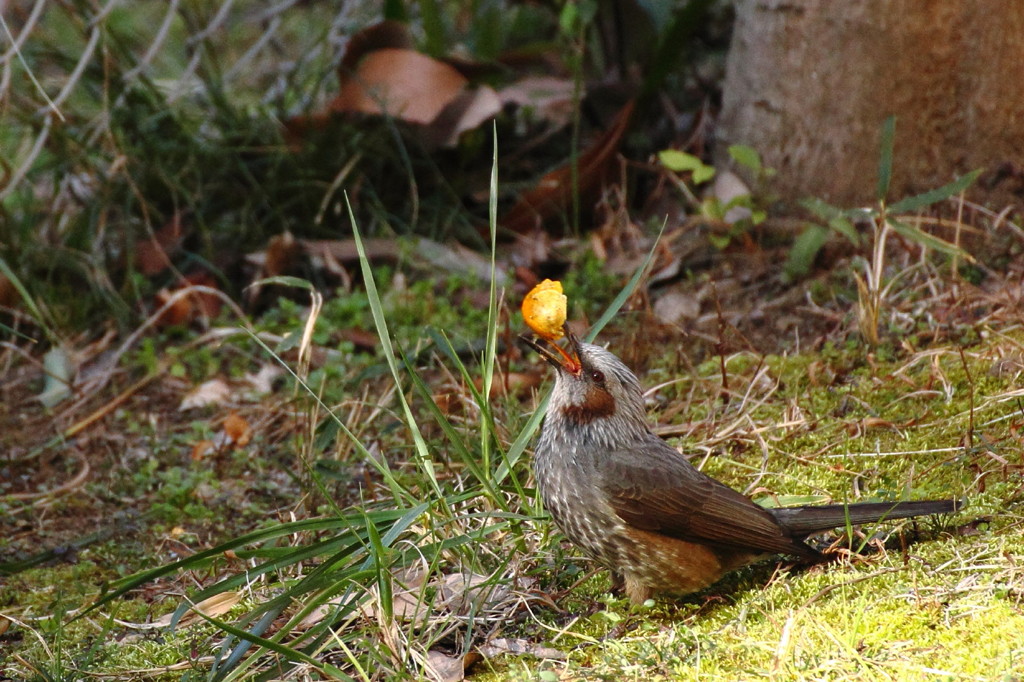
(804, 250)
(923, 238)
(885, 160)
(377, 310)
(490, 349)
(925, 199)
(27, 300)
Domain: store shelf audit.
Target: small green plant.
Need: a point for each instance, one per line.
(873, 287)
(731, 214)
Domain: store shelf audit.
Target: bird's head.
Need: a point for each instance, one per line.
(593, 389)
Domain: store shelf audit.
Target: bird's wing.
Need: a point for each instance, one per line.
(655, 489)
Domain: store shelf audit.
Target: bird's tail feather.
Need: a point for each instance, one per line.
(807, 520)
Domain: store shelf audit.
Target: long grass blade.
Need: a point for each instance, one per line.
(424, 461)
(885, 159)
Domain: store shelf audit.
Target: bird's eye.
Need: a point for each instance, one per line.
(597, 376)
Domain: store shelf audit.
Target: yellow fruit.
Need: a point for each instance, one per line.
(544, 309)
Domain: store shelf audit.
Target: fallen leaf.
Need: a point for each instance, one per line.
(401, 83)
(1010, 365)
(188, 307)
(676, 307)
(383, 34)
(440, 666)
(462, 593)
(262, 382)
(201, 449)
(453, 258)
(9, 295)
(360, 338)
(282, 254)
(212, 392)
(153, 254)
(238, 430)
(466, 112)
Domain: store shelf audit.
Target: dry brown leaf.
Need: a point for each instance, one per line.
(193, 307)
(9, 295)
(511, 383)
(360, 338)
(320, 613)
(238, 430)
(153, 254)
(440, 666)
(465, 592)
(453, 258)
(401, 83)
(466, 112)
(202, 449)
(379, 36)
(406, 596)
(282, 255)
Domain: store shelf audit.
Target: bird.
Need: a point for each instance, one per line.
(635, 504)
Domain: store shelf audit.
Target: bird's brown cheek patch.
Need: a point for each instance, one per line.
(598, 404)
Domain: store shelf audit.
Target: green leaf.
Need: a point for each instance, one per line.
(681, 162)
(712, 209)
(703, 174)
(822, 209)
(804, 251)
(843, 226)
(746, 156)
(885, 162)
(568, 18)
(678, 161)
(919, 201)
(719, 241)
(930, 241)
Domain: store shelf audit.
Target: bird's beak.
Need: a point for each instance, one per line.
(562, 359)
